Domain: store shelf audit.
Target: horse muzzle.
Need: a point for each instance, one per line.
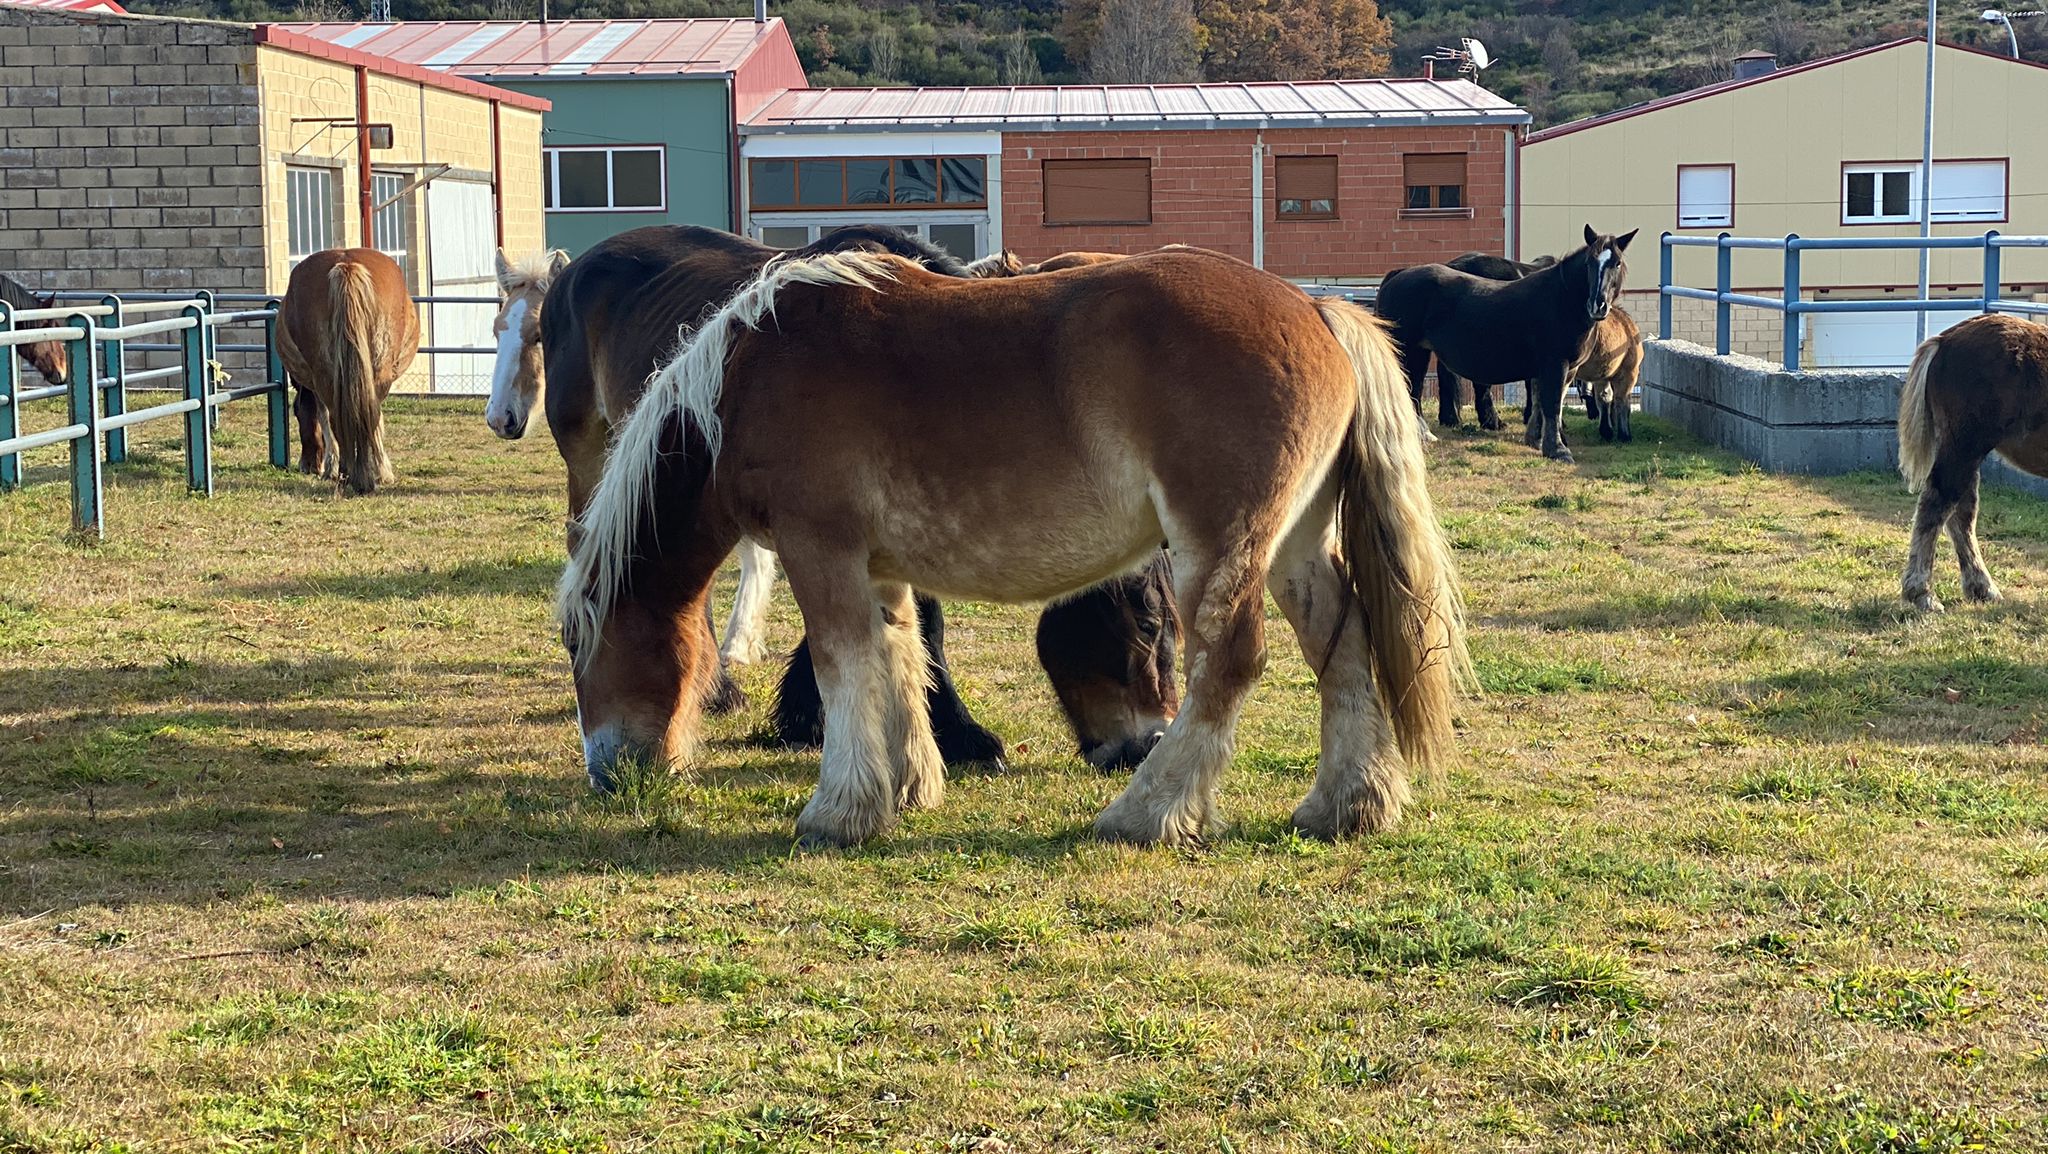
(508, 426)
(1125, 753)
(605, 752)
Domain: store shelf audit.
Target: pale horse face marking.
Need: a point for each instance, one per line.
(1597, 304)
(513, 384)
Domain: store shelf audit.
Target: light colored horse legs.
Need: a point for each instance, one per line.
(377, 456)
(1361, 782)
(746, 631)
(1962, 530)
(1172, 797)
(879, 753)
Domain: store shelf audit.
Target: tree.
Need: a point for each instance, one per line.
(1561, 59)
(883, 58)
(1018, 63)
(1133, 41)
(1293, 39)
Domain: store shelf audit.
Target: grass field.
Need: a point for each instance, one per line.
(295, 853)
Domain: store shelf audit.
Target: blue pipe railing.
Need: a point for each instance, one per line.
(1790, 304)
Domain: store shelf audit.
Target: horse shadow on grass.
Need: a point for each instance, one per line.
(528, 577)
(190, 781)
(1972, 699)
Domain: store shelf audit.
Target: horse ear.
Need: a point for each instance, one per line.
(559, 260)
(505, 277)
(1592, 238)
(1621, 242)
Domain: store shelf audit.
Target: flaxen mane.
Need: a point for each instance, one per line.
(687, 389)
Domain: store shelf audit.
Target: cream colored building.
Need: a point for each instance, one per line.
(1829, 148)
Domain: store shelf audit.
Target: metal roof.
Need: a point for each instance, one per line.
(1279, 104)
(71, 5)
(530, 49)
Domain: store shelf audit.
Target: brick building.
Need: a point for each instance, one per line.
(144, 153)
(1333, 182)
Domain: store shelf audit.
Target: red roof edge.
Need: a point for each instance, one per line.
(306, 45)
(1730, 85)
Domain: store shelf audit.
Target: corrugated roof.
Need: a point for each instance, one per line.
(1399, 101)
(526, 48)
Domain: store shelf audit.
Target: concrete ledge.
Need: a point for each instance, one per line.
(1819, 421)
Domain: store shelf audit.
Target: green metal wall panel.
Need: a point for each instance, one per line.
(691, 117)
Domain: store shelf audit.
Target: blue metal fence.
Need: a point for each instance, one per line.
(1789, 304)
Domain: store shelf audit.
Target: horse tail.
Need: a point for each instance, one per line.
(351, 373)
(1916, 418)
(1395, 552)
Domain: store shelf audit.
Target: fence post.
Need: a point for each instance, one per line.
(115, 394)
(208, 339)
(1724, 261)
(278, 399)
(86, 519)
(199, 421)
(10, 424)
(1664, 282)
(1792, 313)
(1992, 275)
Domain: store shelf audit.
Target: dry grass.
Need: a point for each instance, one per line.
(295, 854)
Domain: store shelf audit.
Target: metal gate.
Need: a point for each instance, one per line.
(461, 247)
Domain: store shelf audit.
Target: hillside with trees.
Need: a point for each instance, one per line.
(1561, 60)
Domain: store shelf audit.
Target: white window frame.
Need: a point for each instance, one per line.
(550, 161)
(1912, 174)
(310, 217)
(1698, 217)
(1997, 215)
(917, 224)
(391, 204)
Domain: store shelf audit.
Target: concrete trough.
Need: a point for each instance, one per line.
(1818, 421)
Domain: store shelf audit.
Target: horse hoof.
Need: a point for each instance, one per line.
(1493, 424)
(814, 842)
(1627, 437)
(726, 697)
(1607, 434)
(1986, 592)
(971, 745)
(1925, 602)
(1561, 455)
(1320, 820)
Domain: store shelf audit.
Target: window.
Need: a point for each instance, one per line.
(1115, 191)
(1879, 194)
(963, 238)
(309, 210)
(1964, 190)
(878, 182)
(1969, 190)
(1305, 186)
(1706, 196)
(391, 218)
(605, 179)
(1435, 182)
(786, 236)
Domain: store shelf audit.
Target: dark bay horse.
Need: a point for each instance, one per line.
(1492, 268)
(347, 329)
(1491, 332)
(1180, 396)
(602, 323)
(1979, 388)
(52, 359)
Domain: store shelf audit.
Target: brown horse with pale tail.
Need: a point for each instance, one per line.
(1181, 396)
(346, 330)
(1979, 388)
(1608, 372)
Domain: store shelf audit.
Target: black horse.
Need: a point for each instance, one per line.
(1492, 268)
(1491, 332)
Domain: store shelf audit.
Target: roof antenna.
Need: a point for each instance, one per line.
(1471, 58)
(380, 11)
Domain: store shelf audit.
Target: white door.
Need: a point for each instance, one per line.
(461, 251)
(1871, 340)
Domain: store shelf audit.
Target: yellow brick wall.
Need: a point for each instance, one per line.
(525, 227)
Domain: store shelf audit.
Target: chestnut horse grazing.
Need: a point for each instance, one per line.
(1977, 389)
(1180, 396)
(346, 330)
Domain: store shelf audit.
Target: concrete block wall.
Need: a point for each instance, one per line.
(128, 153)
(1202, 195)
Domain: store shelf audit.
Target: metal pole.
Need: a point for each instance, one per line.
(117, 391)
(278, 400)
(198, 421)
(1664, 282)
(1992, 274)
(1724, 328)
(10, 426)
(1792, 314)
(86, 520)
(1926, 177)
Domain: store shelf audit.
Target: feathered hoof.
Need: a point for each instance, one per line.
(745, 651)
(840, 831)
(970, 745)
(1924, 600)
(1131, 825)
(1318, 818)
(1986, 592)
(1561, 455)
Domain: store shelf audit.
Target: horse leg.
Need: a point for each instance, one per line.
(1589, 395)
(867, 685)
(962, 740)
(1620, 400)
(726, 696)
(1609, 429)
(1415, 363)
(745, 629)
(1482, 404)
(1937, 501)
(307, 408)
(799, 714)
(920, 773)
(1172, 797)
(1448, 412)
(1962, 530)
(1549, 393)
(1361, 781)
(378, 459)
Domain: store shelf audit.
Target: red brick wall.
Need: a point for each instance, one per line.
(1202, 195)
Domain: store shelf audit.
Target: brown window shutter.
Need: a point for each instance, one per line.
(1434, 168)
(1305, 177)
(1108, 191)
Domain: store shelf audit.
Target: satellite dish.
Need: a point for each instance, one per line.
(1477, 51)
